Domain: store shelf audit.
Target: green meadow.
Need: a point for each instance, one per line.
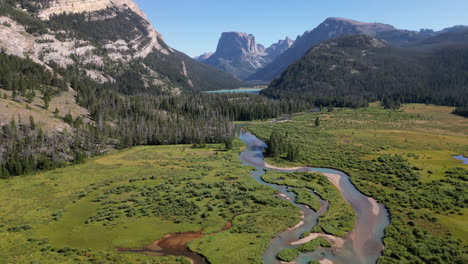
(402, 158)
(131, 198)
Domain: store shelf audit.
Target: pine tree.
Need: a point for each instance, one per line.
(32, 124)
(46, 99)
(68, 118)
(228, 143)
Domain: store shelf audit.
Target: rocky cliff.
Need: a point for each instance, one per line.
(278, 48)
(239, 54)
(104, 38)
(54, 7)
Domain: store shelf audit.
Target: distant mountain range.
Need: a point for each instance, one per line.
(354, 70)
(265, 65)
(239, 54)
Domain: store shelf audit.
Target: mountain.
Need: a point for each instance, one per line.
(354, 70)
(458, 28)
(442, 38)
(239, 54)
(278, 48)
(203, 57)
(107, 39)
(331, 28)
(81, 77)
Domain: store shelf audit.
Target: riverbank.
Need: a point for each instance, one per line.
(355, 250)
(390, 154)
(134, 197)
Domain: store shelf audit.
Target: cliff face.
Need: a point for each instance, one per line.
(239, 54)
(232, 45)
(278, 48)
(58, 7)
(103, 38)
(54, 7)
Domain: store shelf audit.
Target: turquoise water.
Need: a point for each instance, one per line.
(366, 244)
(462, 158)
(242, 90)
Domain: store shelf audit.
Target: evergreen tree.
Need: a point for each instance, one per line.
(32, 124)
(228, 143)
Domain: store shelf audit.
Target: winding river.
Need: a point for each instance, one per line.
(362, 246)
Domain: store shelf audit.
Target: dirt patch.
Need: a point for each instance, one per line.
(337, 242)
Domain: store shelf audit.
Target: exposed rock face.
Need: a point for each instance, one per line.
(56, 7)
(331, 28)
(236, 44)
(79, 6)
(86, 37)
(239, 54)
(278, 48)
(203, 57)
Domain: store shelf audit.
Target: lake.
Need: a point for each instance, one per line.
(240, 90)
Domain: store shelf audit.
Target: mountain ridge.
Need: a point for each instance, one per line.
(97, 37)
(334, 27)
(353, 70)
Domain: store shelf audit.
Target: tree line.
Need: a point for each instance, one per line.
(120, 118)
(353, 73)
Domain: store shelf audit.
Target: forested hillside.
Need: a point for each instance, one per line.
(136, 89)
(355, 70)
(108, 44)
(120, 114)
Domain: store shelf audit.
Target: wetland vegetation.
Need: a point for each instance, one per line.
(130, 198)
(403, 159)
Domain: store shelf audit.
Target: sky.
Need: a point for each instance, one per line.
(194, 26)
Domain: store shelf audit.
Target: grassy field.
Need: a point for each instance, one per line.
(44, 118)
(403, 158)
(134, 197)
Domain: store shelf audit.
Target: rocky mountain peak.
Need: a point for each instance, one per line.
(278, 48)
(239, 54)
(343, 24)
(203, 57)
(234, 44)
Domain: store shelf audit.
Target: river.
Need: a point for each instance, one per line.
(362, 246)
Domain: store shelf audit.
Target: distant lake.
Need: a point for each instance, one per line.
(462, 158)
(241, 90)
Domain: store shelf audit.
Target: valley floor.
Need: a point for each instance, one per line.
(404, 159)
(129, 199)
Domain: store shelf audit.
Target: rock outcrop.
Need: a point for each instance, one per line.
(239, 54)
(278, 48)
(98, 35)
(79, 6)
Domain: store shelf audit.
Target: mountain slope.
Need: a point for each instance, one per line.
(331, 28)
(444, 38)
(104, 41)
(354, 70)
(239, 54)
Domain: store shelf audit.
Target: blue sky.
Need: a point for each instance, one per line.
(194, 26)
